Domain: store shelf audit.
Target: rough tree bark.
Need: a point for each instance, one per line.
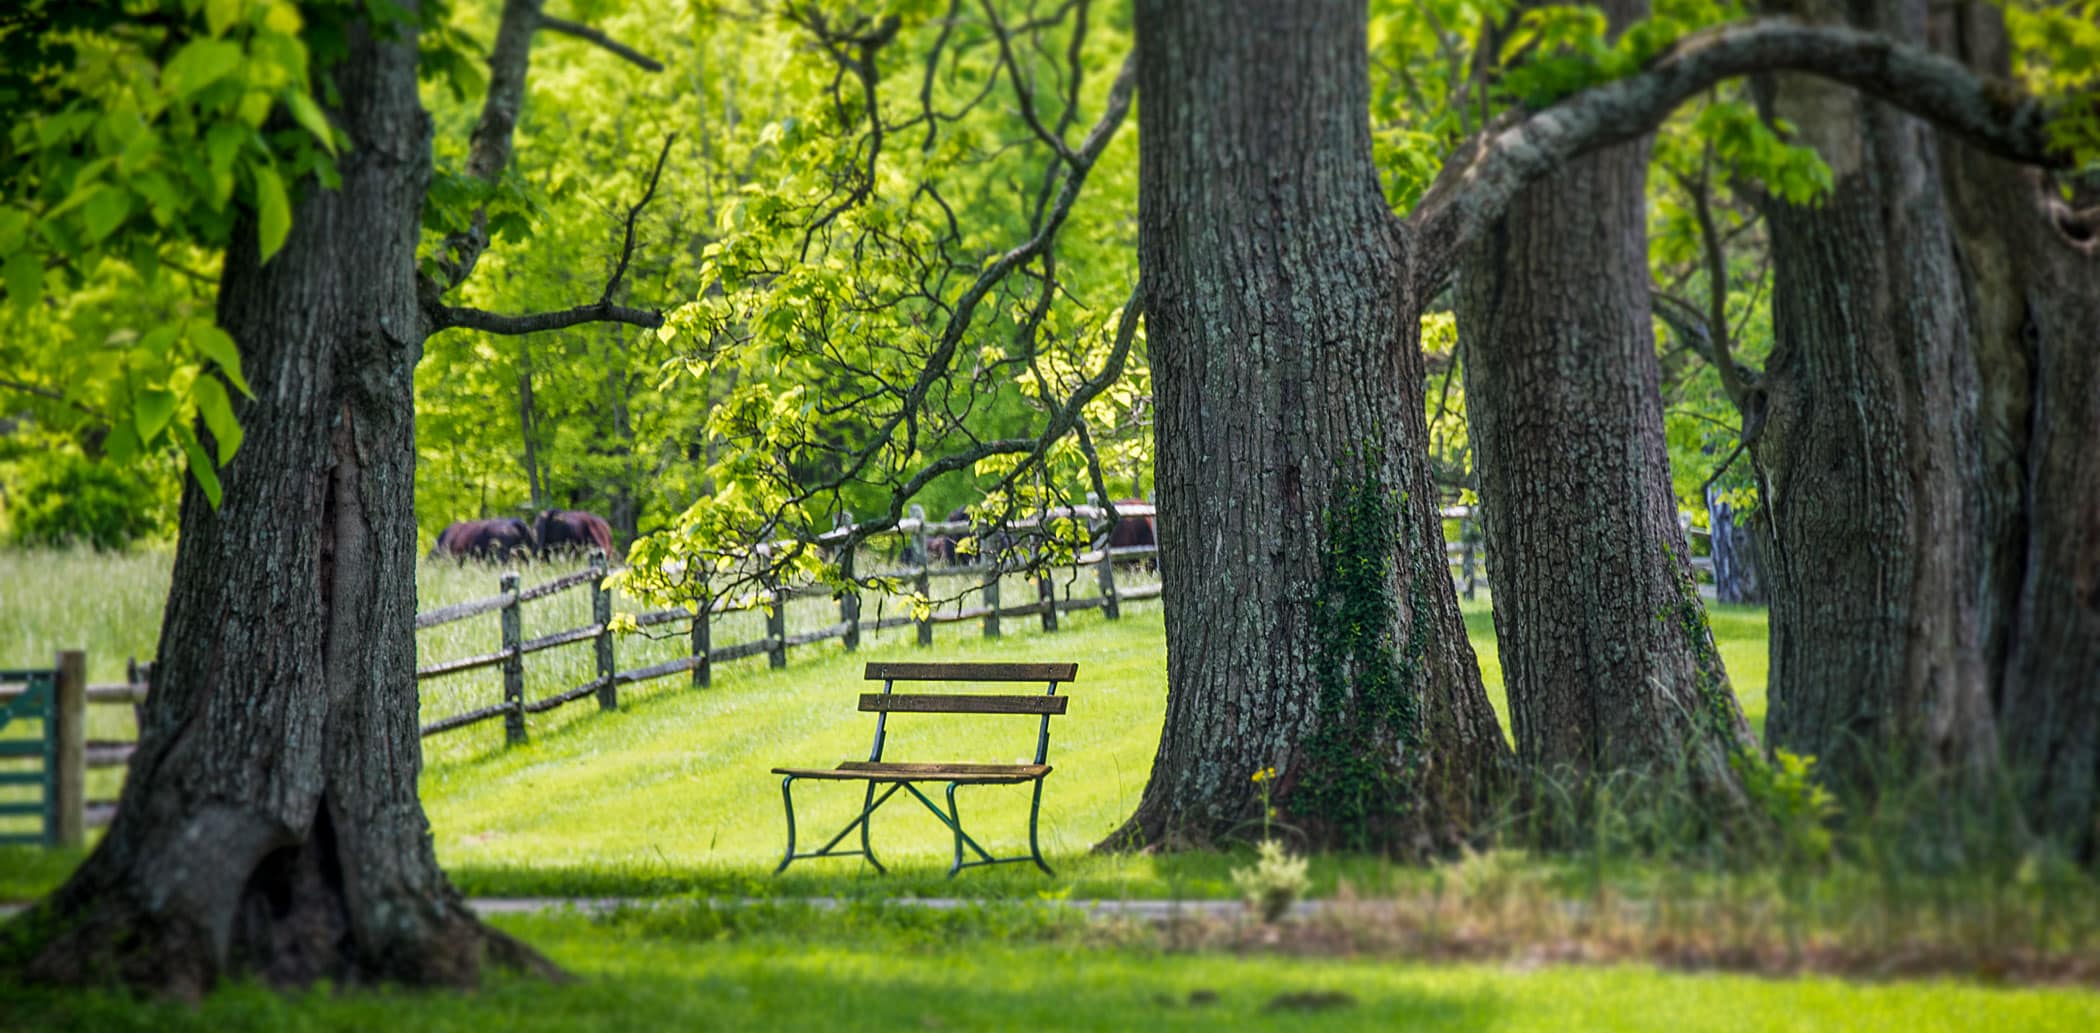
(2032, 263)
(1867, 448)
(1307, 629)
(1284, 349)
(1606, 654)
(270, 825)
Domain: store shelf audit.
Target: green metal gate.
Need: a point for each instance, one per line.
(38, 704)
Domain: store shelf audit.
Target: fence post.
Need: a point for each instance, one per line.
(513, 663)
(776, 624)
(991, 602)
(1107, 570)
(849, 601)
(703, 669)
(1468, 531)
(922, 584)
(69, 782)
(601, 614)
(1046, 595)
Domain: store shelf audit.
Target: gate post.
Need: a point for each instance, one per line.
(69, 781)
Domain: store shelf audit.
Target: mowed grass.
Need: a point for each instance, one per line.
(673, 792)
(873, 968)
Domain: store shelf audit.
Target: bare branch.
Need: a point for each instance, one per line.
(488, 153)
(633, 212)
(592, 35)
(447, 317)
(1477, 185)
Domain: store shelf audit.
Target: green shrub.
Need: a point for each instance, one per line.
(63, 498)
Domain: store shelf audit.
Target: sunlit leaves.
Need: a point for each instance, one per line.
(155, 138)
(2057, 43)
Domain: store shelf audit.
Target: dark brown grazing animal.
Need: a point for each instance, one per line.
(573, 531)
(497, 540)
(1131, 531)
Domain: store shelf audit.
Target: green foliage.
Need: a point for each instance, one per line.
(59, 498)
(145, 136)
(1273, 882)
(2057, 54)
(1555, 50)
(1785, 791)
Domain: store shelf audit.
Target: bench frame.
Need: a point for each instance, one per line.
(875, 772)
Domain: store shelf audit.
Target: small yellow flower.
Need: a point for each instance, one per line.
(1264, 775)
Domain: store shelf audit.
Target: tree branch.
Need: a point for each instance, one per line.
(633, 212)
(598, 36)
(489, 150)
(1479, 182)
(447, 317)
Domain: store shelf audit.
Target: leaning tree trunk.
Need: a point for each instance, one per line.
(2033, 265)
(270, 825)
(1606, 653)
(1311, 625)
(1868, 449)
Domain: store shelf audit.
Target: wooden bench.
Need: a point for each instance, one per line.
(877, 772)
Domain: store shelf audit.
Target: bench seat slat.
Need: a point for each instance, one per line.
(905, 703)
(965, 672)
(869, 771)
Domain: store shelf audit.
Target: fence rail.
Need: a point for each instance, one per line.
(1466, 557)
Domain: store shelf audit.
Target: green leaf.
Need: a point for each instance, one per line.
(24, 275)
(219, 14)
(217, 408)
(150, 412)
(200, 464)
(121, 444)
(157, 340)
(273, 211)
(104, 212)
(309, 115)
(198, 64)
(217, 345)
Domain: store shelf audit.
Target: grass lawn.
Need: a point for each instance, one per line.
(869, 968)
(672, 793)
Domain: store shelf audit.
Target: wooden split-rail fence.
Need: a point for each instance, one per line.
(704, 652)
(57, 698)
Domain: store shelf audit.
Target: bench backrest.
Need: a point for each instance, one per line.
(888, 701)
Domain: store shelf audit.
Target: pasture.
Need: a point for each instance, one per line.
(673, 791)
(670, 799)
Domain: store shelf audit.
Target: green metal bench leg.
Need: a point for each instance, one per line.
(1035, 808)
(787, 798)
(867, 818)
(955, 822)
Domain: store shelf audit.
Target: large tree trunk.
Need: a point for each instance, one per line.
(1868, 450)
(1606, 654)
(270, 825)
(1311, 626)
(2033, 266)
